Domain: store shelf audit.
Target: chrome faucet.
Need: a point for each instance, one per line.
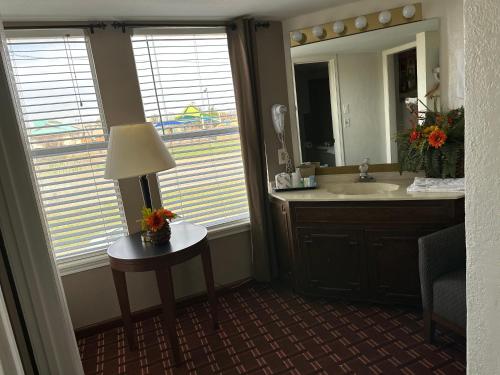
(363, 172)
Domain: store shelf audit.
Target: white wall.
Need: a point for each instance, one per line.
(360, 87)
(482, 201)
(450, 13)
(91, 295)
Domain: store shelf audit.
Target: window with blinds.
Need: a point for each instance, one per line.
(187, 93)
(65, 136)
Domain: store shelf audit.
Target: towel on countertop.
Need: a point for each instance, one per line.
(437, 185)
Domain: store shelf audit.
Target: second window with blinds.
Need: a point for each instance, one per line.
(187, 93)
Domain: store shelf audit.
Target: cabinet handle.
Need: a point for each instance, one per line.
(377, 244)
(353, 243)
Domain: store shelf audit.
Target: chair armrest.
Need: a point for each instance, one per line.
(439, 253)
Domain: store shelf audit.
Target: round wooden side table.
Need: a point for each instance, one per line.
(131, 254)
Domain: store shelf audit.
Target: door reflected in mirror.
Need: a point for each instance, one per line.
(315, 113)
(354, 93)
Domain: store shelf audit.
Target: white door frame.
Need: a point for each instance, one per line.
(336, 104)
(33, 266)
(390, 114)
(297, 155)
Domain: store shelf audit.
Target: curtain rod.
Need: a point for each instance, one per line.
(90, 26)
(124, 25)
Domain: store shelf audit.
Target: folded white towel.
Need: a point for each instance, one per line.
(437, 185)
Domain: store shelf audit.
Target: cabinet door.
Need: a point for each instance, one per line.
(331, 261)
(393, 265)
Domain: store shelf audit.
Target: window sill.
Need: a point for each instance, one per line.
(100, 259)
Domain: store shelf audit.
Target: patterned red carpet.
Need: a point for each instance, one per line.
(267, 331)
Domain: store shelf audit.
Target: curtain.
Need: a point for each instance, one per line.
(243, 55)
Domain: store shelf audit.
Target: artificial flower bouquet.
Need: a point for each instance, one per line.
(155, 225)
(435, 144)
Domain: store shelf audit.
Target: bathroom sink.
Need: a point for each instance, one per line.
(361, 188)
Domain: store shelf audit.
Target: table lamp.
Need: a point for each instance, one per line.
(136, 150)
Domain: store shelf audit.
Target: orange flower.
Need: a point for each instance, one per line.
(415, 135)
(169, 214)
(155, 221)
(166, 213)
(437, 138)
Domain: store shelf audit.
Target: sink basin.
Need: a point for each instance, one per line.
(361, 188)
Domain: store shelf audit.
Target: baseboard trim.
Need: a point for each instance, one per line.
(115, 322)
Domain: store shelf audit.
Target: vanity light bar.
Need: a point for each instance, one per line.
(368, 22)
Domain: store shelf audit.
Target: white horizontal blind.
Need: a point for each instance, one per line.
(187, 92)
(65, 135)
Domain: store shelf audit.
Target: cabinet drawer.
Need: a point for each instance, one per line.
(399, 212)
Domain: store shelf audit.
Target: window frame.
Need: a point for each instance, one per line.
(221, 227)
(91, 259)
(97, 259)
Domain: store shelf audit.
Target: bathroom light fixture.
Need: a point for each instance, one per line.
(338, 27)
(318, 31)
(409, 11)
(355, 25)
(361, 22)
(384, 17)
(297, 36)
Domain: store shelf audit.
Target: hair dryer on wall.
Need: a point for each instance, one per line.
(278, 112)
(278, 115)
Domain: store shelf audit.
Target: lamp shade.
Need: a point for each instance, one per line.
(135, 150)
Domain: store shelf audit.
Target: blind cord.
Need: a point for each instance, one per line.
(86, 132)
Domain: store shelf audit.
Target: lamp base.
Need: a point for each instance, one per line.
(146, 194)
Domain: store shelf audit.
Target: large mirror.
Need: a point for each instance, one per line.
(354, 93)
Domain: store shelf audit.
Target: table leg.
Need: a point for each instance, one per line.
(121, 291)
(209, 280)
(165, 286)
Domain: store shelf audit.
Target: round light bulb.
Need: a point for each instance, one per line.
(384, 17)
(318, 31)
(360, 22)
(338, 27)
(409, 11)
(297, 36)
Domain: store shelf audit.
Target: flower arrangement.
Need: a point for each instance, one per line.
(435, 143)
(155, 225)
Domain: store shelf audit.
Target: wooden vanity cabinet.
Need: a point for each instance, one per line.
(357, 250)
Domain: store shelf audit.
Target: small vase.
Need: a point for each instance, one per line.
(159, 237)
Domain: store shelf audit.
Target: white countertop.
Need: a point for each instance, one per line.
(321, 193)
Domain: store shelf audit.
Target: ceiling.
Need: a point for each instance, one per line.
(66, 10)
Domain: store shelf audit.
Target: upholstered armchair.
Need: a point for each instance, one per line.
(442, 278)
